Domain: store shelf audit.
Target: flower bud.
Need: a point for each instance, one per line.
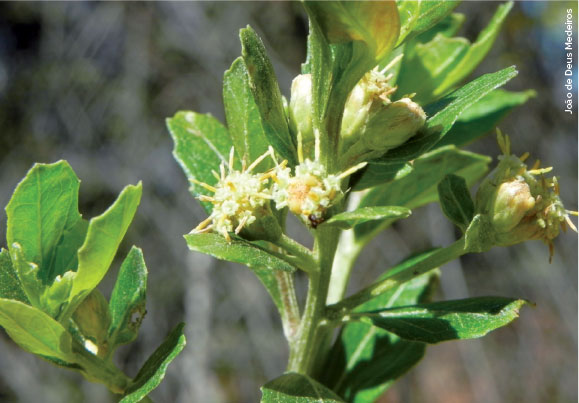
(300, 108)
(372, 123)
(521, 204)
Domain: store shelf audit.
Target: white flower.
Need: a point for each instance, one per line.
(311, 191)
(237, 195)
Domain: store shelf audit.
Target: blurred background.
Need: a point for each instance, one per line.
(92, 83)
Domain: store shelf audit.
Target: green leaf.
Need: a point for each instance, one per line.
(419, 16)
(258, 260)
(127, 303)
(153, 371)
(442, 116)
(346, 40)
(366, 360)
(477, 51)
(28, 275)
(10, 287)
(267, 95)
(41, 212)
(201, 145)
(351, 219)
(297, 388)
(444, 61)
(456, 201)
(432, 61)
(238, 251)
(35, 331)
(480, 235)
(104, 236)
(418, 187)
(376, 24)
(484, 115)
(243, 117)
(449, 320)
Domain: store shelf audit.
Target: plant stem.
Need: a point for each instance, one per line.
(346, 255)
(301, 256)
(436, 259)
(290, 315)
(99, 370)
(303, 351)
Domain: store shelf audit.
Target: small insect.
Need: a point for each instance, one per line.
(315, 220)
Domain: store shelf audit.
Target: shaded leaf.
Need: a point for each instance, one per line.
(127, 303)
(10, 287)
(296, 388)
(351, 219)
(366, 360)
(483, 116)
(154, 369)
(477, 51)
(202, 143)
(243, 117)
(444, 61)
(456, 201)
(419, 186)
(263, 84)
(447, 320)
(423, 16)
(42, 210)
(442, 115)
(238, 251)
(35, 331)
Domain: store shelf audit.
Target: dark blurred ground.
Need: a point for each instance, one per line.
(93, 82)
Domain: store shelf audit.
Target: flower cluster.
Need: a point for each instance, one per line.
(522, 203)
(241, 198)
(238, 196)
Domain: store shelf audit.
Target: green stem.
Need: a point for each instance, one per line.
(300, 256)
(436, 259)
(291, 310)
(346, 254)
(99, 370)
(303, 352)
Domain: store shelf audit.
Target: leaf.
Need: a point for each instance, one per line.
(104, 236)
(35, 331)
(243, 117)
(444, 61)
(449, 320)
(442, 115)
(366, 360)
(456, 201)
(201, 145)
(10, 287)
(424, 16)
(297, 388)
(267, 95)
(351, 219)
(127, 303)
(153, 371)
(418, 187)
(42, 210)
(238, 251)
(376, 24)
(28, 275)
(484, 115)
(346, 40)
(477, 51)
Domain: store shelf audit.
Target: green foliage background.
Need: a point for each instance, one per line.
(93, 82)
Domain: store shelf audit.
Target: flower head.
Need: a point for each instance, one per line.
(239, 198)
(311, 190)
(522, 203)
